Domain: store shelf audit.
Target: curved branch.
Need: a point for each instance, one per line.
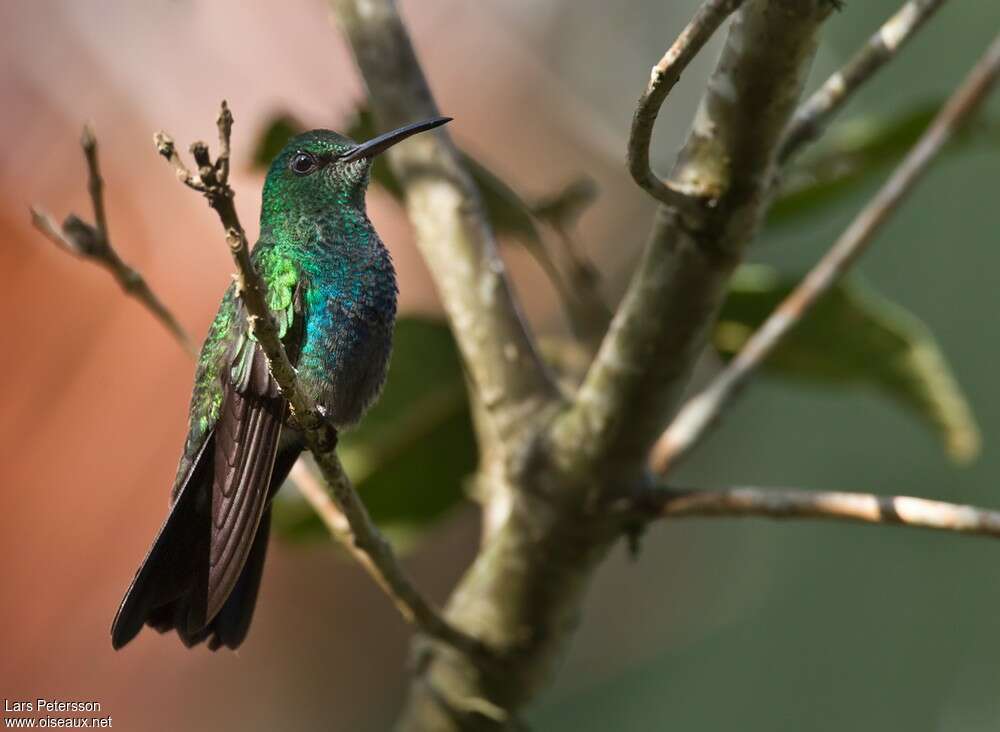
(362, 537)
(662, 324)
(700, 412)
(814, 115)
(451, 228)
(93, 242)
(782, 503)
(662, 79)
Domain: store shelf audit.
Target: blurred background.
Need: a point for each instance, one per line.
(736, 624)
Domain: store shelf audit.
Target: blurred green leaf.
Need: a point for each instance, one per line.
(278, 131)
(854, 337)
(857, 149)
(562, 209)
(414, 448)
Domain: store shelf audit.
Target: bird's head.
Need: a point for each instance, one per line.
(320, 168)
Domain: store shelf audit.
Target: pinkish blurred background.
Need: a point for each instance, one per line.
(95, 397)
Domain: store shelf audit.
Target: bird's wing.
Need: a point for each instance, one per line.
(220, 493)
(245, 444)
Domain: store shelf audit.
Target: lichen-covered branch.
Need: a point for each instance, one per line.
(661, 325)
(665, 74)
(451, 229)
(816, 112)
(93, 242)
(703, 409)
(363, 539)
(781, 503)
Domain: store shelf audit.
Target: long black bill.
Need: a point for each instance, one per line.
(383, 142)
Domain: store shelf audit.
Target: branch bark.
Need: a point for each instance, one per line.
(782, 503)
(363, 539)
(93, 243)
(702, 410)
(814, 115)
(544, 529)
(662, 324)
(451, 228)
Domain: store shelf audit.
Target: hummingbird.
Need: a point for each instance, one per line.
(331, 288)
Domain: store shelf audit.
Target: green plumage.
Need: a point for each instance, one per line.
(331, 288)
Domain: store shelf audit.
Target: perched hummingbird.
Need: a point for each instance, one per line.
(332, 290)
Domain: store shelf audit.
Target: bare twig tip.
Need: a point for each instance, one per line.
(164, 144)
(87, 139)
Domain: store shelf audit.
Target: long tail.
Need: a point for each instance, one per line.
(171, 589)
(229, 627)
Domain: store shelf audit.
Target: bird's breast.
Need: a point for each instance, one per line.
(348, 340)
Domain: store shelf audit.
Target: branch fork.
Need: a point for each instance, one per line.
(687, 198)
(93, 243)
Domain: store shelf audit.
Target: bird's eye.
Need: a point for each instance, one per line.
(303, 163)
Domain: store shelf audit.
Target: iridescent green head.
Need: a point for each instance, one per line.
(321, 169)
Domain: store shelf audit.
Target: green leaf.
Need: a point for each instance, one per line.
(854, 337)
(411, 453)
(858, 149)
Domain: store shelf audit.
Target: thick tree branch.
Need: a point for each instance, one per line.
(362, 538)
(93, 243)
(447, 214)
(814, 115)
(780, 503)
(662, 324)
(662, 79)
(703, 409)
(545, 533)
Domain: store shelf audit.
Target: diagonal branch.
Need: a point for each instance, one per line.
(451, 228)
(662, 324)
(814, 115)
(781, 503)
(93, 242)
(361, 536)
(702, 410)
(662, 79)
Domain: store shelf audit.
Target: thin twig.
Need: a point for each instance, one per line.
(816, 112)
(781, 503)
(363, 538)
(663, 77)
(703, 409)
(95, 183)
(93, 242)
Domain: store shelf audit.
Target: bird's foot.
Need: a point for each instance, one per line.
(327, 433)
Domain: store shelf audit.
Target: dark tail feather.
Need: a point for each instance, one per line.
(230, 626)
(164, 595)
(159, 591)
